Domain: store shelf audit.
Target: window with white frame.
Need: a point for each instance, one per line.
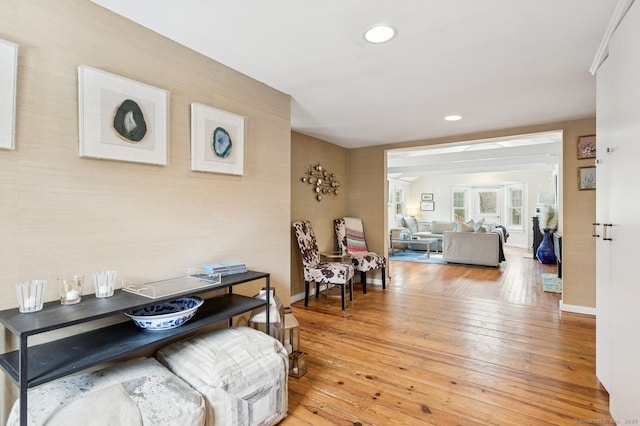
(515, 206)
(460, 205)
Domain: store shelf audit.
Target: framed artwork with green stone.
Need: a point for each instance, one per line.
(121, 119)
(217, 140)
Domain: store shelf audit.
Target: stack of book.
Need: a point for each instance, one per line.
(227, 268)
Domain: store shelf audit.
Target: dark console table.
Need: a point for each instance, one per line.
(537, 236)
(31, 366)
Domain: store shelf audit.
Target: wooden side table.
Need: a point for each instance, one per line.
(335, 256)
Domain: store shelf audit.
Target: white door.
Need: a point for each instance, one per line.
(605, 122)
(617, 288)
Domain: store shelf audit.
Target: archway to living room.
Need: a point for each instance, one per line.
(505, 182)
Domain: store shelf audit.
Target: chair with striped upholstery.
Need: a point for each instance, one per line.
(334, 273)
(350, 235)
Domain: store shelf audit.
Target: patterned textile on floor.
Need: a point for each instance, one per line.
(241, 372)
(417, 256)
(144, 392)
(551, 283)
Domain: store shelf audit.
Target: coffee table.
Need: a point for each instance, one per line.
(418, 242)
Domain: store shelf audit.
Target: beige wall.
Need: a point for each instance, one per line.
(579, 212)
(367, 198)
(305, 152)
(367, 174)
(62, 214)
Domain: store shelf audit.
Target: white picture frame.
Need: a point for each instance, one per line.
(586, 178)
(101, 96)
(427, 206)
(8, 88)
(210, 126)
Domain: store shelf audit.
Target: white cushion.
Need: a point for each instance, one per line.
(411, 223)
(463, 227)
(143, 390)
(424, 227)
(241, 372)
(440, 227)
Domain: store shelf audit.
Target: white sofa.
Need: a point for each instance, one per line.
(473, 243)
(433, 229)
(473, 248)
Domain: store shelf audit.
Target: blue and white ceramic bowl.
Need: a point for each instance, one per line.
(165, 315)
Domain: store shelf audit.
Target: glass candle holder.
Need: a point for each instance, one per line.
(30, 295)
(103, 282)
(70, 289)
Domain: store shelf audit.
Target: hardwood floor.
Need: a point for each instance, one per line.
(448, 344)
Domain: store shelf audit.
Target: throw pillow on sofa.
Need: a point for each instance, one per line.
(424, 227)
(440, 227)
(464, 227)
(411, 223)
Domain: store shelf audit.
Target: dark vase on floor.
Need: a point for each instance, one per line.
(545, 251)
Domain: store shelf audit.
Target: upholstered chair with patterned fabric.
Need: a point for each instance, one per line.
(334, 273)
(350, 235)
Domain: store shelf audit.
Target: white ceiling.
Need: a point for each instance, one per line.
(539, 151)
(499, 63)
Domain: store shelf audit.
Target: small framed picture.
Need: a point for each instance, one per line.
(587, 178)
(427, 206)
(217, 140)
(426, 197)
(586, 147)
(121, 119)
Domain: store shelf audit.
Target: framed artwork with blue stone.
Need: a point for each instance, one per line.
(121, 119)
(217, 140)
(8, 84)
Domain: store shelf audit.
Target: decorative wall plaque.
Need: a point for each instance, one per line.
(323, 181)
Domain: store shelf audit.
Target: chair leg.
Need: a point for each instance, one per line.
(344, 305)
(363, 280)
(306, 293)
(317, 290)
(384, 278)
(351, 289)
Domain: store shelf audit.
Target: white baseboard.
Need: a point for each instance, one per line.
(298, 297)
(576, 309)
(312, 292)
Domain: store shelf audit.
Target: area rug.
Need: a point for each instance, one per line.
(416, 256)
(551, 283)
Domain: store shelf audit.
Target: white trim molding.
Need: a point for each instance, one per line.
(603, 51)
(576, 309)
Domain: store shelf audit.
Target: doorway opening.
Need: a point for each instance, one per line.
(502, 180)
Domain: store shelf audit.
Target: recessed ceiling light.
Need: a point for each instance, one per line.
(454, 117)
(379, 33)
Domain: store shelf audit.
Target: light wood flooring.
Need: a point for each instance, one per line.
(446, 345)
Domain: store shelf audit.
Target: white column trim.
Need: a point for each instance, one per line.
(603, 51)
